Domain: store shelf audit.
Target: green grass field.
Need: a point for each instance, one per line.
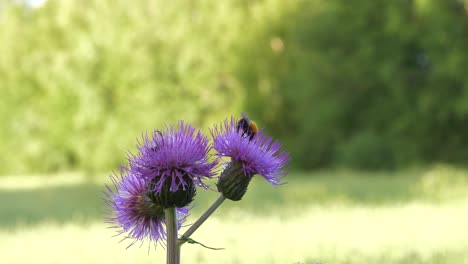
(413, 216)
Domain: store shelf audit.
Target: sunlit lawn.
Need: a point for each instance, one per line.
(413, 216)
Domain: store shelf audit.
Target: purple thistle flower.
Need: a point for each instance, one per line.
(171, 162)
(250, 150)
(134, 213)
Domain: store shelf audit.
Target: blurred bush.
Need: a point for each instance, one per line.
(366, 151)
(82, 79)
(392, 69)
(368, 85)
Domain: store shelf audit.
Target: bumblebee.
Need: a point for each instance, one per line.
(248, 127)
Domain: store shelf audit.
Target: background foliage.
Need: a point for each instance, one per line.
(363, 84)
(375, 84)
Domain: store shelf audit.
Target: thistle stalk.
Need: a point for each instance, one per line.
(201, 220)
(173, 250)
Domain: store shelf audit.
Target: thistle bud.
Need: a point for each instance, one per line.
(233, 182)
(168, 197)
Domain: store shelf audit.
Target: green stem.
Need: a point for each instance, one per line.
(173, 252)
(185, 237)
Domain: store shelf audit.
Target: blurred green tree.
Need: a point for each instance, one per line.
(372, 84)
(82, 79)
(384, 73)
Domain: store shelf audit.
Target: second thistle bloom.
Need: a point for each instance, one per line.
(172, 162)
(251, 152)
(134, 213)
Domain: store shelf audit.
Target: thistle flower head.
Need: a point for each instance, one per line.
(252, 153)
(258, 155)
(172, 162)
(134, 213)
